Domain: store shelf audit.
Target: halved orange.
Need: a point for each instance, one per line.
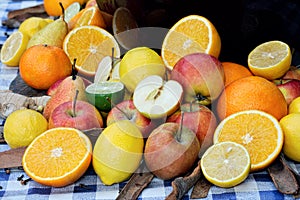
(89, 45)
(91, 16)
(58, 157)
(256, 130)
(190, 34)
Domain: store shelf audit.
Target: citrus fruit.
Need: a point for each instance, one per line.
(133, 70)
(291, 129)
(53, 8)
(294, 106)
(256, 130)
(226, 164)
(123, 22)
(251, 93)
(190, 34)
(23, 126)
(91, 16)
(270, 60)
(13, 48)
(234, 71)
(104, 95)
(43, 65)
(117, 152)
(58, 157)
(71, 11)
(97, 44)
(73, 20)
(32, 25)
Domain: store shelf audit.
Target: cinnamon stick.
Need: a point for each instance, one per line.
(201, 188)
(11, 158)
(136, 184)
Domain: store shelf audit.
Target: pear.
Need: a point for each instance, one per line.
(52, 34)
(66, 91)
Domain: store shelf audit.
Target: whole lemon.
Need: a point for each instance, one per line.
(32, 25)
(137, 64)
(117, 152)
(294, 106)
(23, 126)
(291, 129)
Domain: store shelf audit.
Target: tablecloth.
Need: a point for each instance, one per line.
(257, 186)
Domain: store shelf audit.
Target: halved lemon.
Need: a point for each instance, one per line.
(13, 48)
(226, 164)
(270, 60)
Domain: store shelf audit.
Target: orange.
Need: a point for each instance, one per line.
(252, 92)
(234, 71)
(89, 45)
(42, 65)
(190, 34)
(53, 8)
(58, 157)
(91, 16)
(259, 132)
(73, 20)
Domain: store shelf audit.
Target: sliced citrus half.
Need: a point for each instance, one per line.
(89, 45)
(190, 34)
(91, 16)
(259, 132)
(104, 95)
(226, 164)
(270, 60)
(58, 157)
(13, 48)
(71, 11)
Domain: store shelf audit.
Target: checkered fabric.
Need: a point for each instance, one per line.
(257, 186)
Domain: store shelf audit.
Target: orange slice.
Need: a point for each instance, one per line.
(58, 157)
(91, 16)
(191, 34)
(258, 131)
(89, 45)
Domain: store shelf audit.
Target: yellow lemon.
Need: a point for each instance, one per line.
(137, 64)
(33, 24)
(291, 129)
(294, 106)
(23, 126)
(13, 48)
(117, 152)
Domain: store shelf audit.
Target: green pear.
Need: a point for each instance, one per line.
(66, 91)
(52, 34)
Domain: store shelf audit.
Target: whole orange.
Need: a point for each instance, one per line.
(234, 71)
(251, 93)
(42, 65)
(53, 8)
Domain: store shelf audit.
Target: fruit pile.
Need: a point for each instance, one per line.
(173, 109)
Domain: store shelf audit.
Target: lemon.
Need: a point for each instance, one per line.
(23, 126)
(71, 11)
(13, 48)
(226, 164)
(33, 24)
(291, 129)
(117, 152)
(137, 64)
(270, 60)
(294, 106)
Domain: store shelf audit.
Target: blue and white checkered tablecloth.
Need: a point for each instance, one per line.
(257, 186)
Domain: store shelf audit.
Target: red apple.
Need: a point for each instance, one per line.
(290, 88)
(86, 116)
(171, 151)
(126, 110)
(200, 119)
(201, 75)
(292, 73)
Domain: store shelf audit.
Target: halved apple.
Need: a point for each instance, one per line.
(155, 98)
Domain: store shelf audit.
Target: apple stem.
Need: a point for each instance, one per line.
(74, 71)
(74, 104)
(119, 109)
(166, 75)
(180, 127)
